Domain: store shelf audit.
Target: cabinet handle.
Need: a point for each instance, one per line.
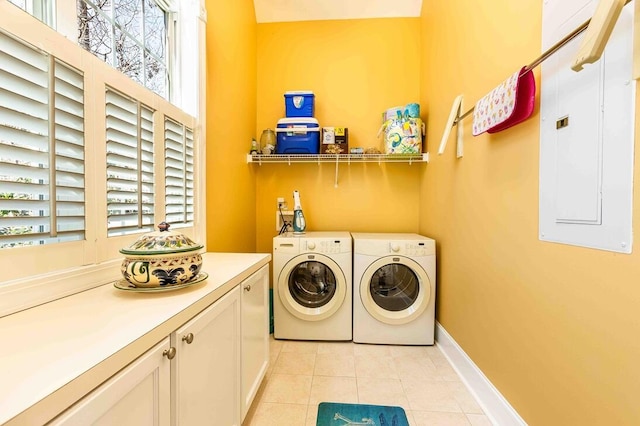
(169, 353)
(247, 287)
(188, 338)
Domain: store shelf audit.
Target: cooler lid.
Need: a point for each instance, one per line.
(298, 121)
(298, 92)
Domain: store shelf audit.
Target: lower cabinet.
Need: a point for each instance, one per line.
(207, 372)
(255, 334)
(139, 395)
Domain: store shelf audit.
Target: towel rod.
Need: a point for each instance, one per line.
(553, 49)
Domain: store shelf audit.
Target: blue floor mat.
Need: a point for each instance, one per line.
(336, 414)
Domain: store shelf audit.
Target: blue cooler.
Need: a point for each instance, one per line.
(299, 103)
(298, 136)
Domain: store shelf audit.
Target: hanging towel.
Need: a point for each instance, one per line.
(507, 105)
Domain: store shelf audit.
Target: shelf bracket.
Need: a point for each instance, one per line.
(335, 185)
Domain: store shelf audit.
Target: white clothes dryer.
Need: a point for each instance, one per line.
(394, 278)
(312, 286)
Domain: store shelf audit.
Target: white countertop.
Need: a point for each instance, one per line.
(58, 352)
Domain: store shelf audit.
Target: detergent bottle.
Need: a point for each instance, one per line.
(299, 224)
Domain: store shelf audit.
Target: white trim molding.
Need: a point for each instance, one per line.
(494, 405)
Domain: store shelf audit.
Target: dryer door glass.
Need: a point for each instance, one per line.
(312, 284)
(394, 287)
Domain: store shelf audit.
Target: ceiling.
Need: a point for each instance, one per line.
(316, 10)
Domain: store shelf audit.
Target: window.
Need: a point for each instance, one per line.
(130, 35)
(41, 9)
(84, 165)
(41, 148)
(129, 125)
(178, 173)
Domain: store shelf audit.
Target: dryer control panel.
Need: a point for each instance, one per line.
(326, 246)
(408, 248)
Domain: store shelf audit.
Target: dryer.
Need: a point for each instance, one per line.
(312, 286)
(394, 279)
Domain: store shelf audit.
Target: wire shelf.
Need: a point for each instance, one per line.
(338, 158)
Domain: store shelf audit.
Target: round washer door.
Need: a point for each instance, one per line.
(312, 287)
(395, 290)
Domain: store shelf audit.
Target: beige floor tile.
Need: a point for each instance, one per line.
(288, 389)
(419, 366)
(479, 420)
(430, 396)
(418, 351)
(446, 372)
(328, 364)
(381, 366)
(312, 415)
(435, 353)
(463, 397)
(382, 392)
(300, 347)
(333, 389)
(295, 363)
(336, 348)
(275, 414)
(371, 350)
(434, 418)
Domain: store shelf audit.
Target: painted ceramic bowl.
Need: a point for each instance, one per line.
(161, 258)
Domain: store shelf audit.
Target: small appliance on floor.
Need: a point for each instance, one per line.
(312, 286)
(394, 279)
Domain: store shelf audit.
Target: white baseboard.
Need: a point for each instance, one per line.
(494, 405)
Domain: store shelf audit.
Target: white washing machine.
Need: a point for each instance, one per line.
(312, 286)
(394, 278)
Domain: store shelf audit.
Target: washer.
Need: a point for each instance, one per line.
(312, 284)
(394, 278)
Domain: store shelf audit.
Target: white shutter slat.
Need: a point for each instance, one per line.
(13, 172)
(22, 86)
(20, 51)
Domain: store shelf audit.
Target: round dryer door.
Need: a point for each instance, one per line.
(312, 287)
(395, 290)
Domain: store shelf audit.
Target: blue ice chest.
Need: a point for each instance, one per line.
(298, 136)
(299, 103)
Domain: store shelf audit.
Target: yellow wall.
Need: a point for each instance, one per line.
(357, 69)
(554, 327)
(231, 122)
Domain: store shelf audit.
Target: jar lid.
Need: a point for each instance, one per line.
(162, 241)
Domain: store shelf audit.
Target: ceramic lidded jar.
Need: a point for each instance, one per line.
(161, 258)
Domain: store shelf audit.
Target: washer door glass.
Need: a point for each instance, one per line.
(394, 287)
(312, 284)
(312, 287)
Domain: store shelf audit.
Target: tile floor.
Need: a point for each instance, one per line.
(416, 378)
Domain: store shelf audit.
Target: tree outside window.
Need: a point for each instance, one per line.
(131, 35)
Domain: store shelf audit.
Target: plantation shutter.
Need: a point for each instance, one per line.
(69, 151)
(130, 177)
(41, 147)
(178, 173)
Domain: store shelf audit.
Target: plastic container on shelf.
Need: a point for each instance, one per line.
(299, 103)
(298, 136)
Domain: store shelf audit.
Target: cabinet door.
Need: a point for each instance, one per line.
(255, 334)
(206, 372)
(139, 395)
